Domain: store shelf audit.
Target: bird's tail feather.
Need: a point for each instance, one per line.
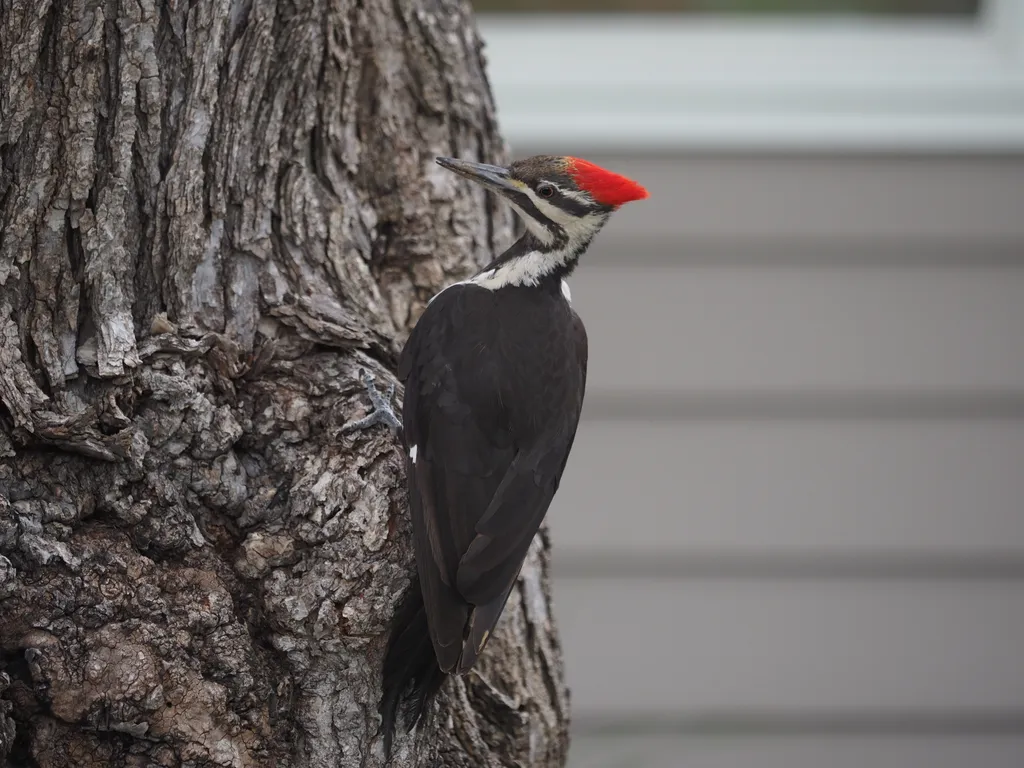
(411, 675)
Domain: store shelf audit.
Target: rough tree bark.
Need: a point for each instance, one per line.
(214, 214)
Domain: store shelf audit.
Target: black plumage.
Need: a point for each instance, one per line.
(495, 375)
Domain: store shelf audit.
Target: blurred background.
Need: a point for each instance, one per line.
(791, 533)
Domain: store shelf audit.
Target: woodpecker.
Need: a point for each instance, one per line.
(495, 372)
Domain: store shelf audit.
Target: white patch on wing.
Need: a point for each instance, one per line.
(566, 292)
(412, 453)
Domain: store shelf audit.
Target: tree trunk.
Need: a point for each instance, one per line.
(214, 214)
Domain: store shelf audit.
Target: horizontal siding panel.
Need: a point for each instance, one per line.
(721, 330)
(764, 487)
(879, 751)
(638, 250)
(824, 196)
(758, 648)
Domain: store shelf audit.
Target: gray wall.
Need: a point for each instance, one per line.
(791, 533)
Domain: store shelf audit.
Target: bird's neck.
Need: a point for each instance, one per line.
(529, 262)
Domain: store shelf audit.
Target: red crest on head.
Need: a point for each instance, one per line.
(604, 186)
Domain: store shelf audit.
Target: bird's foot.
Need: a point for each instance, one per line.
(382, 412)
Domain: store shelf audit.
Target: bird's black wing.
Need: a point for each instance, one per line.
(477, 490)
(491, 565)
(458, 448)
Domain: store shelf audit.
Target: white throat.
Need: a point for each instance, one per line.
(532, 267)
(526, 270)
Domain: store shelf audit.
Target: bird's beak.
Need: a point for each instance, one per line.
(493, 177)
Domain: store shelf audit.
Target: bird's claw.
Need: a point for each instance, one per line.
(381, 413)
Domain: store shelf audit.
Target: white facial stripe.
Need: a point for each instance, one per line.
(564, 219)
(530, 268)
(412, 453)
(537, 229)
(579, 197)
(582, 230)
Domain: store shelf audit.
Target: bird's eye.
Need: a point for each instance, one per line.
(546, 190)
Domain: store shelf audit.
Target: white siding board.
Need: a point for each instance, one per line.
(769, 487)
(638, 250)
(878, 751)
(764, 647)
(741, 330)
